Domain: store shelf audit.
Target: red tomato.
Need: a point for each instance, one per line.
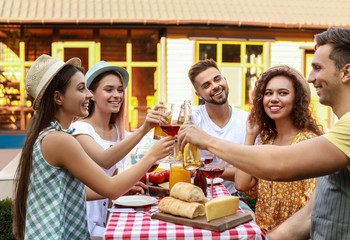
(167, 174)
(143, 179)
(156, 177)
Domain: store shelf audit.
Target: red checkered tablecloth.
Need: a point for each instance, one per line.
(141, 226)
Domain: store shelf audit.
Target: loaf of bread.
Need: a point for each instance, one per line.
(188, 192)
(181, 208)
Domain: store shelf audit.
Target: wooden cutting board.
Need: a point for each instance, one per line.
(158, 191)
(216, 225)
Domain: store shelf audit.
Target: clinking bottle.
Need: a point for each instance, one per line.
(181, 118)
(191, 155)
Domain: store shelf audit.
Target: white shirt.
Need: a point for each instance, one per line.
(234, 131)
(97, 210)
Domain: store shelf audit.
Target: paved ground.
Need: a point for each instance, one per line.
(6, 155)
(8, 164)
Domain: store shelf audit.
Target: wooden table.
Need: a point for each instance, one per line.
(141, 226)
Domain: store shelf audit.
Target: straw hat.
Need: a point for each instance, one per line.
(40, 74)
(102, 67)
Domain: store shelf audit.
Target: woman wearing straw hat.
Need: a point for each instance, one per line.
(280, 116)
(104, 127)
(54, 167)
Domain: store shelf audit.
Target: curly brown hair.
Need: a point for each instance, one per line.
(301, 114)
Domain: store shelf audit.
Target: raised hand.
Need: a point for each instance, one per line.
(163, 147)
(194, 135)
(154, 117)
(252, 131)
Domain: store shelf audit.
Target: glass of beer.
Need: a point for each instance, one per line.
(169, 109)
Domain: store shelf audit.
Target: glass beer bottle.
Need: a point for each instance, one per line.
(181, 118)
(191, 155)
(177, 156)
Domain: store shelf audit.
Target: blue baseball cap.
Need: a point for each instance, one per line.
(102, 67)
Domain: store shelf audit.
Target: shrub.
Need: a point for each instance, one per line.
(6, 219)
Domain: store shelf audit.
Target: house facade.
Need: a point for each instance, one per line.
(157, 42)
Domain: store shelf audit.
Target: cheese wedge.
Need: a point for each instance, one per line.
(221, 207)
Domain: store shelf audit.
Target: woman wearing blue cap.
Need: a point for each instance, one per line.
(104, 127)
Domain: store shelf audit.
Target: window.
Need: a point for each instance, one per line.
(15, 103)
(254, 54)
(144, 44)
(231, 53)
(113, 44)
(207, 51)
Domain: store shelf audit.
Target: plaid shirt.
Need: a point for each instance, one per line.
(56, 199)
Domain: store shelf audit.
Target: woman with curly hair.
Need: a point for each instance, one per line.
(281, 116)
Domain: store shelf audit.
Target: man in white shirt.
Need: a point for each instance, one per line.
(217, 117)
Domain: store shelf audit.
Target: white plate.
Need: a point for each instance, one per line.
(215, 181)
(135, 201)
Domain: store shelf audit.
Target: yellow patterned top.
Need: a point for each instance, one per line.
(277, 201)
